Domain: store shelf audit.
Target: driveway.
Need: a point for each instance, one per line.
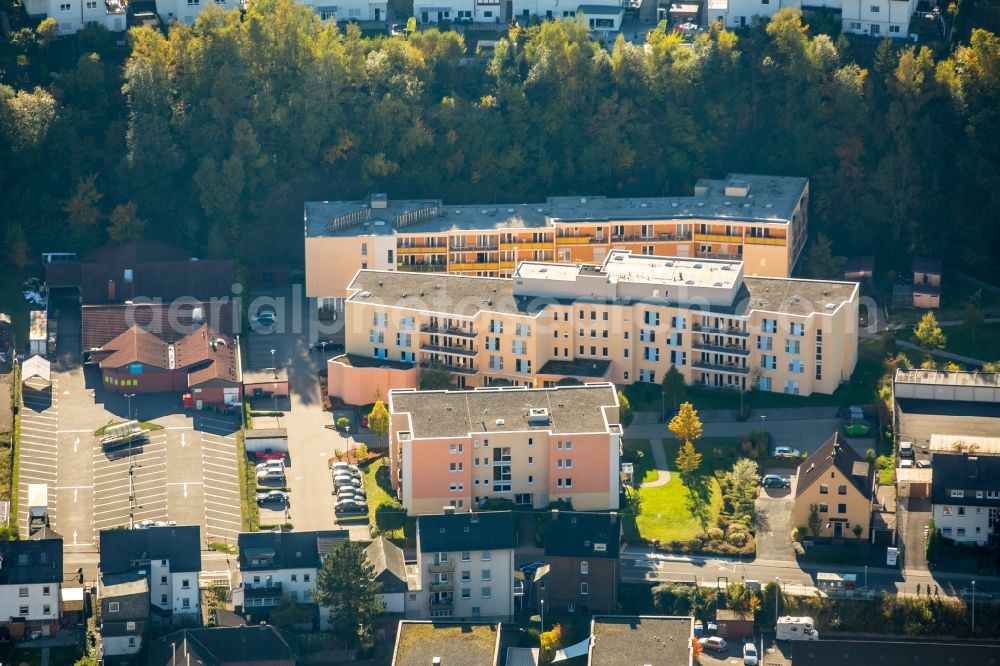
(311, 439)
(773, 524)
(912, 515)
(805, 434)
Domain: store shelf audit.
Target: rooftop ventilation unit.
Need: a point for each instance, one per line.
(674, 204)
(830, 306)
(716, 284)
(698, 266)
(500, 422)
(689, 282)
(366, 294)
(726, 267)
(701, 204)
(538, 416)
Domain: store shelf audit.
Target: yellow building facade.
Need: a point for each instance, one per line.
(629, 319)
(758, 220)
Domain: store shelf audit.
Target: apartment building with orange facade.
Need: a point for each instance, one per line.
(629, 319)
(531, 446)
(759, 220)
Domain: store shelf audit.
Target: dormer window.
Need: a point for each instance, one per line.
(958, 493)
(601, 547)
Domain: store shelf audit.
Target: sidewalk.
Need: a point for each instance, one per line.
(660, 460)
(968, 360)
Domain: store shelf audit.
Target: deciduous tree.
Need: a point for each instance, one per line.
(625, 413)
(929, 335)
(378, 420)
(688, 461)
(686, 425)
(126, 225)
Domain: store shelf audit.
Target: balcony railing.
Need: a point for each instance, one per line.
(526, 245)
(722, 349)
(422, 268)
(718, 255)
(449, 330)
(757, 240)
(474, 266)
(421, 249)
(441, 605)
(442, 587)
(472, 247)
(573, 240)
(443, 567)
(445, 349)
(732, 368)
(729, 330)
(462, 370)
(719, 238)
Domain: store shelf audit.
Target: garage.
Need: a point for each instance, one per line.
(266, 440)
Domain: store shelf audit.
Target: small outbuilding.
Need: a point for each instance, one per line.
(732, 627)
(36, 374)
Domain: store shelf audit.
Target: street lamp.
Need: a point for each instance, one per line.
(777, 589)
(973, 607)
(129, 396)
(274, 365)
(542, 602)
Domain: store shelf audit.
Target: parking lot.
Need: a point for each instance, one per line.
(185, 472)
(39, 450)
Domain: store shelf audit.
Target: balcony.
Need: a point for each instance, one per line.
(475, 266)
(422, 268)
(461, 370)
(756, 240)
(730, 368)
(630, 238)
(719, 255)
(443, 567)
(442, 587)
(526, 245)
(573, 240)
(441, 605)
(463, 351)
(729, 330)
(507, 264)
(674, 237)
(421, 249)
(449, 330)
(719, 238)
(472, 247)
(737, 350)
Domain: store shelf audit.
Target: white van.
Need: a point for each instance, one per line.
(271, 474)
(796, 629)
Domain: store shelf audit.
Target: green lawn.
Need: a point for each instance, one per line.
(378, 488)
(638, 452)
(984, 345)
(665, 513)
(860, 391)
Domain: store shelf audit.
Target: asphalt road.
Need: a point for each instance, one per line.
(640, 565)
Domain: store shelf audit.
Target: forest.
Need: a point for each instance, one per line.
(212, 136)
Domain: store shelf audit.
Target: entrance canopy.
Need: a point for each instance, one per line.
(36, 373)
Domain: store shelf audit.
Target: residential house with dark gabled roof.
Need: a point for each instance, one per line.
(203, 362)
(840, 485)
(31, 575)
(581, 573)
(124, 600)
(226, 646)
(390, 572)
(282, 564)
(169, 558)
(965, 495)
(466, 563)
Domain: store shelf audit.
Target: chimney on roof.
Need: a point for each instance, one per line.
(474, 518)
(111, 290)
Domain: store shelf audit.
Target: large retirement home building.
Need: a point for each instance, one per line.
(759, 220)
(629, 319)
(531, 446)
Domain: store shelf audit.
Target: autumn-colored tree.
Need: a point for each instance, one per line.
(81, 209)
(686, 425)
(378, 420)
(688, 461)
(125, 224)
(929, 335)
(549, 642)
(47, 32)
